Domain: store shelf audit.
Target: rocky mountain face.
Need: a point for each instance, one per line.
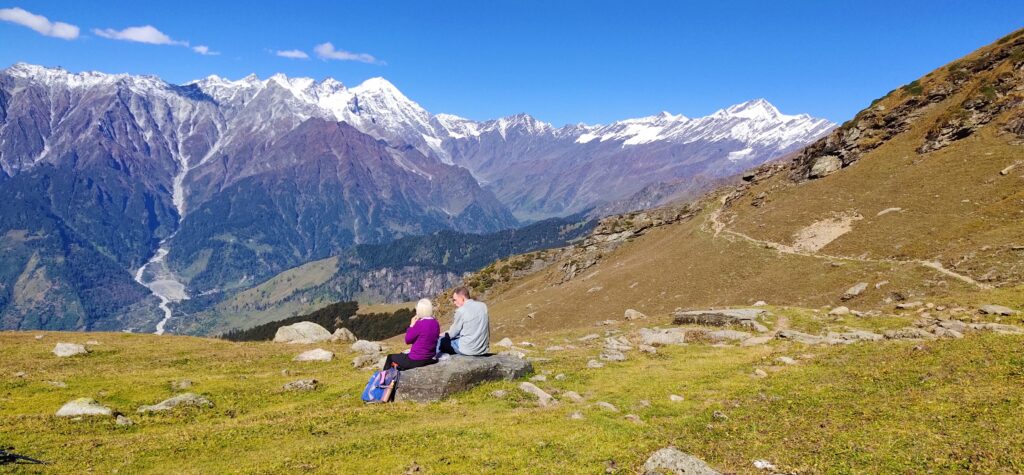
(216, 185)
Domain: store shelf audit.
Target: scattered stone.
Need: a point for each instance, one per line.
(315, 355)
(881, 284)
(644, 403)
(302, 385)
(92, 342)
(839, 311)
(513, 353)
(367, 347)
(368, 361)
(947, 333)
(747, 317)
(908, 305)
(559, 377)
(807, 339)
(594, 289)
(997, 310)
(458, 373)
(765, 465)
(607, 406)
(786, 360)
(675, 462)
(757, 340)
(540, 378)
(40, 337)
(543, 398)
(414, 468)
(719, 416)
(617, 343)
(998, 328)
(65, 350)
(500, 393)
(343, 334)
(631, 315)
(505, 343)
(675, 398)
(20, 374)
(607, 322)
(727, 335)
(594, 364)
(302, 332)
(888, 210)
(123, 421)
(671, 336)
(592, 336)
(526, 344)
(554, 348)
(183, 400)
(633, 418)
(57, 384)
(854, 335)
(611, 355)
(576, 415)
(181, 385)
(825, 165)
(760, 373)
(83, 407)
(573, 396)
(854, 291)
(760, 303)
(648, 349)
(909, 333)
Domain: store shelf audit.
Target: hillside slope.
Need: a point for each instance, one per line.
(918, 196)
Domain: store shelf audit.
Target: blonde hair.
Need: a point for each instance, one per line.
(424, 308)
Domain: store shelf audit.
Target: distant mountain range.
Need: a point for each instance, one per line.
(218, 185)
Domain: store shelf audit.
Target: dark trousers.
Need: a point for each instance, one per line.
(404, 362)
(444, 345)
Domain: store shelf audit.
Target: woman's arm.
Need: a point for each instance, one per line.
(412, 334)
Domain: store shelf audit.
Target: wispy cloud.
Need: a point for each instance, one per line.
(327, 51)
(41, 24)
(204, 50)
(140, 34)
(150, 35)
(292, 53)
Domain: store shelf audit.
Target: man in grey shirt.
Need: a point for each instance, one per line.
(470, 333)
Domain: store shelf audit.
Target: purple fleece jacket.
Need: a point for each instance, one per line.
(423, 338)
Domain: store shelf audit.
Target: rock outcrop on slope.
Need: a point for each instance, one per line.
(458, 373)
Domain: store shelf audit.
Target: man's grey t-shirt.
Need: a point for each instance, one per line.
(471, 328)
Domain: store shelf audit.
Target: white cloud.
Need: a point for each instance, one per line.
(140, 34)
(204, 50)
(292, 53)
(41, 24)
(327, 51)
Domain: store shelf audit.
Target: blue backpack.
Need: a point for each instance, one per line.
(381, 386)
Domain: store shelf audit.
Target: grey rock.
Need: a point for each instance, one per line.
(315, 355)
(592, 336)
(92, 342)
(573, 396)
(671, 336)
(825, 165)
(40, 337)
(854, 291)
(540, 378)
(719, 416)
(909, 333)
(181, 385)
(855, 335)
(65, 350)
(947, 333)
(839, 311)
(647, 349)
(499, 393)
(760, 373)
(513, 353)
(998, 328)
(747, 317)
(576, 415)
(20, 374)
(594, 364)
(543, 398)
(909, 305)
(559, 377)
(343, 334)
(612, 355)
(302, 332)
(458, 373)
(631, 314)
(617, 343)
(676, 398)
(757, 340)
(760, 303)
(505, 343)
(607, 406)
(807, 339)
(633, 418)
(371, 361)
(672, 461)
(367, 347)
(727, 335)
(997, 310)
(554, 348)
(181, 400)
(123, 421)
(83, 407)
(57, 384)
(302, 385)
(786, 360)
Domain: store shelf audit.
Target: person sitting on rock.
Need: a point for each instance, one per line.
(471, 331)
(422, 335)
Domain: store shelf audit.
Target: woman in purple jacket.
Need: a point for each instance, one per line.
(422, 335)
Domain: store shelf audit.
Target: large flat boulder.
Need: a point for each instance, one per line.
(302, 332)
(458, 373)
(746, 317)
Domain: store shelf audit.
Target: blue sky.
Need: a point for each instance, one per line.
(560, 61)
